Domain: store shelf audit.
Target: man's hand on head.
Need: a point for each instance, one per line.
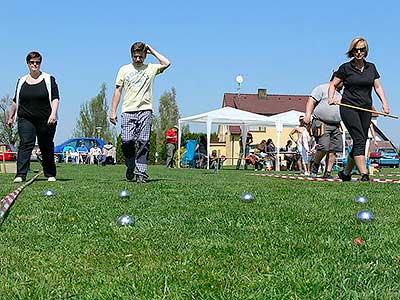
(148, 49)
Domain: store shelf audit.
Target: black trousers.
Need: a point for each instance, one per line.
(171, 150)
(243, 155)
(28, 130)
(357, 123)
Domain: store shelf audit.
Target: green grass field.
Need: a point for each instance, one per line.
(195, 239)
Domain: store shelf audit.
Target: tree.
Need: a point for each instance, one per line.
(93, 118)
(168, 110)
(7, 135)
(168, 117)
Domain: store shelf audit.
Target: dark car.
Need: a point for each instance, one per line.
(385, 157)
(76, 142)
(10, 153)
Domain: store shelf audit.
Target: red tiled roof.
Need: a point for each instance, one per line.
(274, 104)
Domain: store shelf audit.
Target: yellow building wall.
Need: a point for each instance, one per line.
(231, 148)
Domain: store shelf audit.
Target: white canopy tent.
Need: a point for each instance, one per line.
(291, 119)
(224, 116)
(287, 119)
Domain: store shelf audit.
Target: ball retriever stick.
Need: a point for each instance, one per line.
(368, 110)
(8, 200)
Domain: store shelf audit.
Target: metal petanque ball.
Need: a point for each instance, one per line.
(365, 216)
(49, 193)
(126, 220)
(248, 197)
(361, 199)
(124, 194)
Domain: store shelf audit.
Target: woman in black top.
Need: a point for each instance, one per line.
(358, 77)
(35, 104)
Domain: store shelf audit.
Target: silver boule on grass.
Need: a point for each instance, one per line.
(365, 216)
(49, 193)
(124, 195)
(247, 197)
(361, 199)
(126, 220)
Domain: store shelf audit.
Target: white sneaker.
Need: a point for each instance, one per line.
(18, 179)
(51, 179)
(307, 173)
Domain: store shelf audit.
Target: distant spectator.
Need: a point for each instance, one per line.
(82, 152)
(201, 152)
(270, 147)
(172, 145)
(302, 138)
(109, 154)
(289, 157)
(244, 152)
(214, 160)
(94, 154)
(36, 152)
(69, 153)
(261, 148)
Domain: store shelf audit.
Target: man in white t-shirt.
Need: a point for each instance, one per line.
(137, 80)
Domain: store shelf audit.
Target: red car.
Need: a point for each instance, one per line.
(10, 153)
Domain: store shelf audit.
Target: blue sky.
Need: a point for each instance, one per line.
(287, 47)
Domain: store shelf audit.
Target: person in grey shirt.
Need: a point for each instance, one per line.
(325, 127)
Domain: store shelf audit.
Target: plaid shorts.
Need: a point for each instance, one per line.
(136, 125)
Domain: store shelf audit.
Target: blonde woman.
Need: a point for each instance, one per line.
(359, 78)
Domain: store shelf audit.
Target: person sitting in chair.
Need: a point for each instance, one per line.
(94, 154)
(82, 152)
(261, 149)
(201, 152)
(289, 157)
(109, 155)
(214, 160)
(69, 153)
(271, 151)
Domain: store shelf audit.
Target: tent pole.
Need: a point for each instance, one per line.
(208, 142)
(179, 144)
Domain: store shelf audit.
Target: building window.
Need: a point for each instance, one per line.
(258, 128)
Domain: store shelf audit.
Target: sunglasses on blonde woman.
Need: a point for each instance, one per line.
(362, 50)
